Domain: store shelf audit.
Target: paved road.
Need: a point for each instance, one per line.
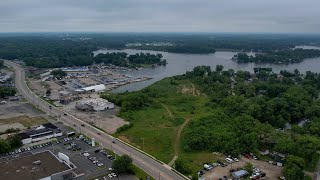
(149, 165)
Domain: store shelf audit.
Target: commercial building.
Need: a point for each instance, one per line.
(96, 88)
(75, 69)
(45, 131)
(97, 104)
(42, 166)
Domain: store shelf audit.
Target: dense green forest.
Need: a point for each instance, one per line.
(49, 50)
(283, 56)
(7, 91)
(125, 60)
(241, 112)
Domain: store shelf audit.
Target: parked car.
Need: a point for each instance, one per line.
(99, 164)
(207, 167)
(229, 160)
(235, 159)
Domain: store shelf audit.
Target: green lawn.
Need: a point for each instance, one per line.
(140, 174)
(154, 127)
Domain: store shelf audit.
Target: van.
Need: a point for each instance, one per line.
(229, 160)
(207, 167)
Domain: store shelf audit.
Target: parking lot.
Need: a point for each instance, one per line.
(219, 172)
(90, 161)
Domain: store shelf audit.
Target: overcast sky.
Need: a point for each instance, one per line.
(300, 16)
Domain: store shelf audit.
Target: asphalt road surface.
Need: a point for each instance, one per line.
(154, 168)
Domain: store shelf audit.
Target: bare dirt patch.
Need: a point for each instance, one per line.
(105, 120)
(26, 121)
(189, 89)
(4, 127)
(18, 108)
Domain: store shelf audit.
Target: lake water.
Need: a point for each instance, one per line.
(180, 63)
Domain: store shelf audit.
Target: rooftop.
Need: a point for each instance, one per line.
(24, 168)
(99, 87)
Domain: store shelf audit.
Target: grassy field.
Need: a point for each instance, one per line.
(140, 174)
(24, 120)
(155, 128)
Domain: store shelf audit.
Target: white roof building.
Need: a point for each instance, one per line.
(98, 104)
(95, 88)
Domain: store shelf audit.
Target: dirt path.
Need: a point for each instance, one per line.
(177, 142)
(167, 109)
(178, 136)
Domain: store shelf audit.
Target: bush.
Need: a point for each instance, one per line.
(124, 128)
(182, 166)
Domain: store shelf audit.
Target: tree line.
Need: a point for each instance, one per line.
(283, 56)
(125, 60)
(59, 50)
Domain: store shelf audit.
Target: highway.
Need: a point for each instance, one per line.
(153, 167)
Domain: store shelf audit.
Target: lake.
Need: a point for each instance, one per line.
(180, 63)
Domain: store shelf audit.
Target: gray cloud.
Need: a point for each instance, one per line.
(160, 15)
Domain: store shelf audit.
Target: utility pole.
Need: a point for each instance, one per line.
(142, 144)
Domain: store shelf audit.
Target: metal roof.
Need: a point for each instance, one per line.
(99, 87)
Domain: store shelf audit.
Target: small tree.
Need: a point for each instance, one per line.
(48, 92)
(122, 165)
(249, 167)
(182, 166)
(58, 73)
(15, 141)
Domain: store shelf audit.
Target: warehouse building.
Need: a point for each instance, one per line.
(43, 166)
(90, 89)
(97, 104)
(45, 131)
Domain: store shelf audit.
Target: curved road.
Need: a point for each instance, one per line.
(150, 165)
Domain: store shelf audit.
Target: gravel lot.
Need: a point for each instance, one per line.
(272, 171)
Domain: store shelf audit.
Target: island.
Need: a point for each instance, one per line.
(278, 57)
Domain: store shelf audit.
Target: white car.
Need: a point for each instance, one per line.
(95, 162)
(236, 159)
(99, 164)
(229, 160)
(86, 154)
(110, 169)
(110, 176)
(114, 174)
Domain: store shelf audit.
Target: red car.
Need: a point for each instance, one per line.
(248, 156)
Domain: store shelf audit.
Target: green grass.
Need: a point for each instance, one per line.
(153, 127)
(195, 160)
(140, 174)
(158, 129)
